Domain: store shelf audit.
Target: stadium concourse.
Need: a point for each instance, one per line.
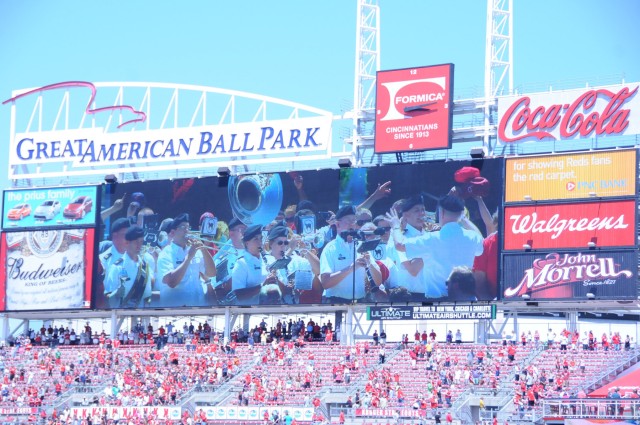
(301, 374)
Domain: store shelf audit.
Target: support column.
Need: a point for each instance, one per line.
(245, 322)
(483, 331)
(114, 325)
(227, 324)
(572, 321)
(347, 330)
(4, 327)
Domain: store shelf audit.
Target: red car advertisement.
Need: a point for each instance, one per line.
(414, 109)
(577, 225)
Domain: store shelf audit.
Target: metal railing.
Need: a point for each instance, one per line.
(605, 377)
(617, 408)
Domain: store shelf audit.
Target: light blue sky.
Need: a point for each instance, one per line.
(298, 50)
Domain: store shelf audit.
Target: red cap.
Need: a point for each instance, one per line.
(465, 174)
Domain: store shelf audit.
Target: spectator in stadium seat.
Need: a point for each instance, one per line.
(458, 337)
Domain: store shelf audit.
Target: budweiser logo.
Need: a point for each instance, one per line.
(15, 270)
(529, 224)
(557, 270)
(579, 117)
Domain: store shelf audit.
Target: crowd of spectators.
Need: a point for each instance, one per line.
(144, 367)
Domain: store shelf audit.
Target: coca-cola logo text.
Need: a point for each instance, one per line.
(557, 270)
(530, 224)
(520, 121)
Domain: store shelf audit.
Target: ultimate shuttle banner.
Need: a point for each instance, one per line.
(296, 267)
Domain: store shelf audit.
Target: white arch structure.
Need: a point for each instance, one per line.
(161, 106)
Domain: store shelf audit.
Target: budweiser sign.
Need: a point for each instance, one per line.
(570, 275)
(46, 269)
(571, 114)
(601, 224)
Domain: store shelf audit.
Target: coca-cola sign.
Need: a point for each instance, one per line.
(571, 114)
(579, 225)
(564, 275)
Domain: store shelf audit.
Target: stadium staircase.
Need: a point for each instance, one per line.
(595, 377)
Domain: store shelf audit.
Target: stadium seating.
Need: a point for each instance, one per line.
(44, 377)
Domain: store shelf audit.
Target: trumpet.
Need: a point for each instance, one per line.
(195, 235)
(313, 240)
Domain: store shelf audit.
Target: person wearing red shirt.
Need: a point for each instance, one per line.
(485, 268)
(531, 397)
(511, 352)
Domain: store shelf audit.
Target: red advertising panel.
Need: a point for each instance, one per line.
(570, 114)
(413, 109)
(46, 269)
(597, 224)
(570, 275)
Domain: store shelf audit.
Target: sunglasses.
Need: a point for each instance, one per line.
(282, 243)
(362, 222)
(386, 229)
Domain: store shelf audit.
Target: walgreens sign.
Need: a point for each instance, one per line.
(599, 224)
(570, 114)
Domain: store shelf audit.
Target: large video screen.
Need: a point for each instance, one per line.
(449, 224)
(46, 269)
(189, 222)
(314, 237)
